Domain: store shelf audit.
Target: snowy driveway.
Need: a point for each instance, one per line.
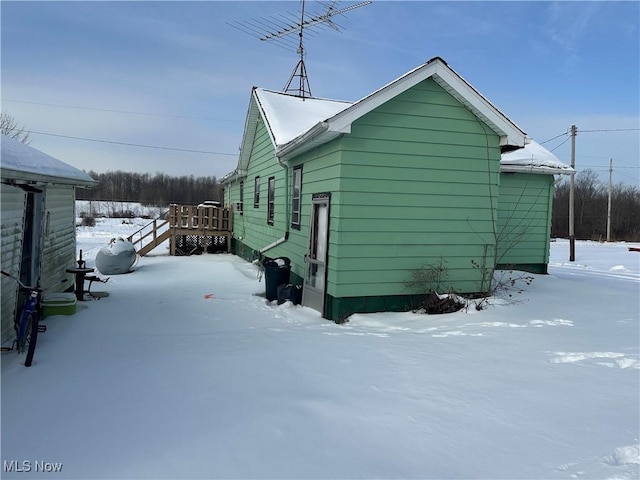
(183, 372)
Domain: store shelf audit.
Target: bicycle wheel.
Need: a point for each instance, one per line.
(31, 336)
(23, 330)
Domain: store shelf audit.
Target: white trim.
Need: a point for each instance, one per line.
(342, 121)
(455, 85)
(325, 131)
(315, 132)
(448, 79)
(542, 170)
(249, 132)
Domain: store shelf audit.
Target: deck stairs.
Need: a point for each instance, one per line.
(151, 235)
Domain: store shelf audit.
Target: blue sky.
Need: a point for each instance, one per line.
(178, 75)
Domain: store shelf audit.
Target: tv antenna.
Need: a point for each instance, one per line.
(279, 30)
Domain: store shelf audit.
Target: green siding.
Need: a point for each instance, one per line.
(415, 183)
(320, 173)
(524, 220)
(420, 184)
(338, 309)
(251, 226)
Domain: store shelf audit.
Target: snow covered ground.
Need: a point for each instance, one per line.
(185, 371)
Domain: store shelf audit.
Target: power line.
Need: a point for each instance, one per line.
(557, 136)
(566, 140)
(136, 144)
(130, 112)
(617, 167)
(593, 131)
(611, 130)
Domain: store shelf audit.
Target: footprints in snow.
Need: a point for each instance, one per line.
(556, 322)
(607, 359)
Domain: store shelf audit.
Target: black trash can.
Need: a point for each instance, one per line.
(276, 272)
(289, 292)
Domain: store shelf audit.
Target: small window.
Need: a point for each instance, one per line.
(256, 192)
(241, 202)
(271, 192)
(296, 197)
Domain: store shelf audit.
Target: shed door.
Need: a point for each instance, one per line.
(313, 292)
(32, 237)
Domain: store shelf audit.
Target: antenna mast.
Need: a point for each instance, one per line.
(284, 27)
(300, 71)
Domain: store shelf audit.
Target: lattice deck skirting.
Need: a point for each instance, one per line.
(198, 244)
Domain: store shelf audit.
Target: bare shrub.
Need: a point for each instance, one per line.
(88, 221)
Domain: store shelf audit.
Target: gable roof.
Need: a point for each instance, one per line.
(297, 124)
(288, 116)
(22, 162)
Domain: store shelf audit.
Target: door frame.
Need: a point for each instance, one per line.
(317, 199)
(32, 235)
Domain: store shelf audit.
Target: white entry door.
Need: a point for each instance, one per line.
(313, 292)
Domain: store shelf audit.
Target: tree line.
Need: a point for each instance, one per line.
(151, 190)
(590, 209)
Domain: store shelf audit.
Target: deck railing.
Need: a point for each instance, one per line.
(200, 218)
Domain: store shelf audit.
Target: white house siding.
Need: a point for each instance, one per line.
(13, 204)
(59, 238)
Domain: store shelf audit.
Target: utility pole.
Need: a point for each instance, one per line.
(609, 202)
(572, 235)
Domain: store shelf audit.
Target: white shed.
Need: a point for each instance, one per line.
(38, 222)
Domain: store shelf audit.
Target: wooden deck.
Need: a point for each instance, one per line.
(190, 229)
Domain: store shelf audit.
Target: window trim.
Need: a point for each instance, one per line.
(241, 202)
(271, 199)
(256, 192)
(296, 223)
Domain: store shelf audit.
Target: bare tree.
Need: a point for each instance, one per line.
(9, 127)
(591, 208)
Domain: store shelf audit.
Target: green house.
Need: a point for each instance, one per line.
(358, 195)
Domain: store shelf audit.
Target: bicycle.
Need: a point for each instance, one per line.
(28, 326)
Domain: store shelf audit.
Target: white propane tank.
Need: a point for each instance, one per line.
(116, 258)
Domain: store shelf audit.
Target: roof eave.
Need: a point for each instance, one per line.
(233, 175)
(20, 176)
(454, 84)
(536, 169)
(254, 111)
(317, 135)
(480, 106)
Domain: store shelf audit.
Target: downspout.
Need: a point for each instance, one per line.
(287, 212)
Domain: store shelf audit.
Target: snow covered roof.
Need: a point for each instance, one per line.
(289, 116)
(22, 162)
(533, 158)
(297, 125)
